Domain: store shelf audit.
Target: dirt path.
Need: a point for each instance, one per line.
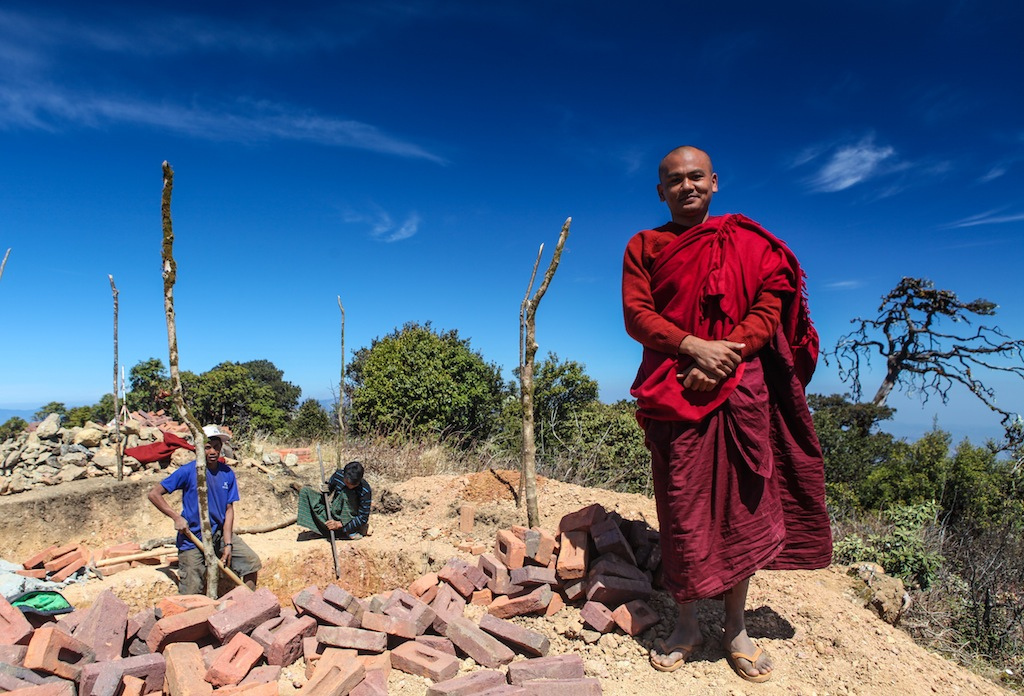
(821, 638)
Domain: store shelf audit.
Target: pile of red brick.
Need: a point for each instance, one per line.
(190, 645)
(59, 563)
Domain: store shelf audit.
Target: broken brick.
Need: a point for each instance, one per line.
(234, 661)
(469, 685)
(104, 626)
(355, 638)
(281, 638)
(54, 652)
(598, 617)
(14, 627)
(188, 626)
(104, 678)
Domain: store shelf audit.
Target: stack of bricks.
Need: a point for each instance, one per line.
(192, 645)
(60, 563)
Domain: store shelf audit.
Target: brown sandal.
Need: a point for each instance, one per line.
(686, 650)
(752, 659)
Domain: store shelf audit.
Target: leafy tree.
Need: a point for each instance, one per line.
(77, 416)
(286, 394)
(52, 407)
(103, 410)
(421, 381)
(914, 473)
(230, 395)
(562, 389)
(312, 422)
(851, 441)
(12, 427)
(921, 354)
(150, 386)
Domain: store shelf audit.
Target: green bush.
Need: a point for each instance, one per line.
(12, 427)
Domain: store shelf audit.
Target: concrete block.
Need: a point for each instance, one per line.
(482, 647)
(310, 602)
(14, 627)
(472, 684)
(189, 626)
(281, 638)
(553, 667)
(354, 638)
(534, 602)
(244, 615)
(518, 637)
(509, 549)
(422, 660)
(54, 652)
(635, 617)
(104, 626)
(234, 661)
(185, 671)
(573, 556)
(613, 591)
(104, 678)
(598, 617)
(334, 675)
(582, 519)
(562, 687)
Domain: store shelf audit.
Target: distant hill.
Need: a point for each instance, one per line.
(8, 413)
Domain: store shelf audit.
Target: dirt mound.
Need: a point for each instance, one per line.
(814, 624)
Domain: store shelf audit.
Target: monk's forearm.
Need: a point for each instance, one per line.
(758, 327)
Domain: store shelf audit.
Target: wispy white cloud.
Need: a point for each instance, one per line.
(382, 226)
(994, 173)
(850, 165)
(243, 121)
(845, 285)
(991, 217)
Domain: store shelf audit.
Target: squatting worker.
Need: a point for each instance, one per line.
(221, 495)
(350, 498)
(728, 347)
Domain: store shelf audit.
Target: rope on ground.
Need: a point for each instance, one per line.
(256, 529)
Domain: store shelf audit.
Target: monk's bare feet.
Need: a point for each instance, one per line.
(684, 640)
(758, 668)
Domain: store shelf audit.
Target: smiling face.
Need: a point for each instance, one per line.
(687, 183)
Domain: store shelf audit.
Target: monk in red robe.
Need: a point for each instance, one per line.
(718, 304)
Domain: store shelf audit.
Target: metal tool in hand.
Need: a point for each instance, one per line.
(327, 509)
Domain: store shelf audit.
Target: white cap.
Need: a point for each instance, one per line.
(213, 431)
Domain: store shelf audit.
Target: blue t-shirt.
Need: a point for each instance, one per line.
(221, 490)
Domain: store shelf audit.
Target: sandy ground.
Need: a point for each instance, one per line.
(822, 639)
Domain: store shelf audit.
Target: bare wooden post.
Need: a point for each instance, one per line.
(3, 265)
(527, 353)
(170, 272)
(117, 410)
(341, 384)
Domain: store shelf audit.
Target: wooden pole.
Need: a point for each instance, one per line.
(3, 265)
(341, 384)
(528, 351)
(117, 410)
(170, 273)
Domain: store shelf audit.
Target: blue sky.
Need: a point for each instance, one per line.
(411, 156)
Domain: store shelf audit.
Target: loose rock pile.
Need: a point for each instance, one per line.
(242, 643)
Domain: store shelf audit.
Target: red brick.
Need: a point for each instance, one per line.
(132, 686)
(582, 519)
(54, 652)
(562, 687)
(334, 675)
(519, 637)
(14, 627)
(62, 556)
(337, 653)
(404, 606)
(437, 643)
(40, 558)
(483, 648)
(104, 626)
(422, 585)
(104, 678)
(267, 674)
(186, 627)
(499, 580)
(238, 656)
(281, 638)
(573, 555)
(310, 602)
(115, 568)
(424, 661)
(391, 625)
(69, 570)
(179, 604)
(14, 677)
(344, 600)
(38, 573)
(613, 591)
(467, 517)
(482, 598)
(185, 670)
(598, 617)
(531, 603)
(553, 667)
(62, 688)
(257, 689)
(244, 615)
(140, 624)
(233, 595)
(635, 617)
(574, 590)
(373, 684)
(509, 549)
(124, 549)
(448, 603)
(530, 576)
(13, 654)
(355, 638)
(545, 547)
(608, 538)
(462, 576)
(613, 564)
(556, 605)
(469, 685)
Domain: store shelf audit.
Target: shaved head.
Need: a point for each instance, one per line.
(664, 167)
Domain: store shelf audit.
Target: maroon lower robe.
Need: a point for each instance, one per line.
(738, 474)
(159, 451)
